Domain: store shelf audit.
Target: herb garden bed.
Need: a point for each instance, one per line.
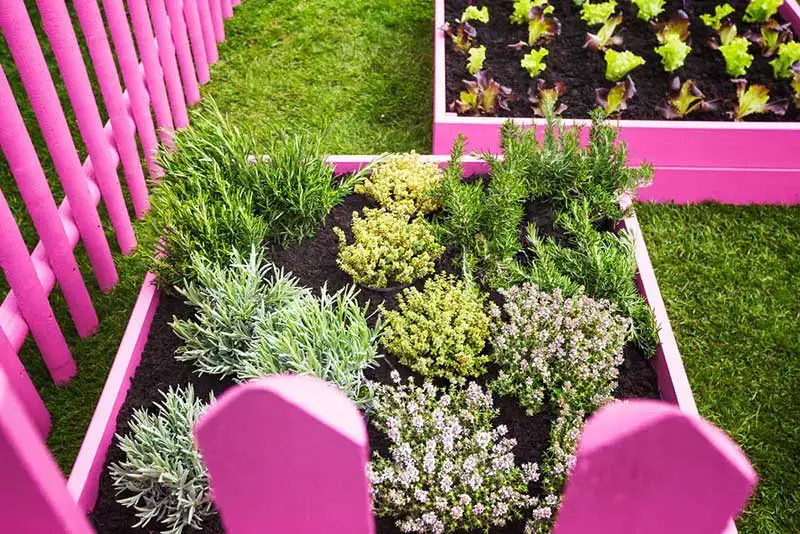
(697, 158)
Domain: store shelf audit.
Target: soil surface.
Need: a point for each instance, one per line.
(313, 262)
(583, 70)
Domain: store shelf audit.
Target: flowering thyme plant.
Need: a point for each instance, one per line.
(561, 347)
(449, 469)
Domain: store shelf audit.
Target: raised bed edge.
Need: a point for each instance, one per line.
(84, 480)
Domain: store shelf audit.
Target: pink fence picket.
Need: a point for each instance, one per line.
(206, 21)
(227, 9)
(169, 62)
(180, 39)
(217, 20)
(191, 13)
(22, 386)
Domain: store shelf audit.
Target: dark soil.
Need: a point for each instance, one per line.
(313, 262)
(583, 70)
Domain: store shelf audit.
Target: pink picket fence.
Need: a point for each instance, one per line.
(163, 49)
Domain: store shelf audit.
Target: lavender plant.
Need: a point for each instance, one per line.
(449, 469)
(162, 476)
(552, 346)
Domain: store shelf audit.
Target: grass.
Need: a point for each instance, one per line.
(730, 277)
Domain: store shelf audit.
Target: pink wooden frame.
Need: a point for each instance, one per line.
(737, 163)
(85, 476)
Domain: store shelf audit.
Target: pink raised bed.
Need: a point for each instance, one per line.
(737, 163)
(85, 477)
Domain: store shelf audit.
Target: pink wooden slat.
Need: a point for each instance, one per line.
(59, 30)
(94, 32)
(167, 56)
(27, 171)
(180, 39)
(208, 31)
(21, 275)
(191, 14)
(287, 454)
(236, 2)
(129, 65)
(33, 495)
(216, 19)
(24, 47)
(646, 467)
(227, 9)
(21, 384)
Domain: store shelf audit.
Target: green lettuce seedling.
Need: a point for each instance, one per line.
(649, 9)
(754, 99)
(604, 38)
(761, 10)
(477, 56)
(673, 36)
(597, 14)
(720, 12)
(770, 36)
(788, 55)
(522, 9)
(683, 99)
(532, 61)
(796, 87)
(475, 13)
(619, 64)
(734, 49)
(615, 100)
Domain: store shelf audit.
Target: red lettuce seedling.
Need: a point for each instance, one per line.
(720, 12)
(788, 55)
(462, 36)
(522, 9)
(615, 100)
(770, 36)
(676, 26)
(543, 27)
(597, 14)
(604, 38)
(683, 99)
(541, 97)
(673, 35)
(761, 10)
(483, 96)
(754, 99)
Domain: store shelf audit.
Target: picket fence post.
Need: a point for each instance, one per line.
(180, 39)
(646, 467)
(216, 19)
(227, 9)
(21, 384)
(287, 454)
(191, 13)
(212, 53)
(169, 62)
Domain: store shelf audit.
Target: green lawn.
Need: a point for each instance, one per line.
(361, 72)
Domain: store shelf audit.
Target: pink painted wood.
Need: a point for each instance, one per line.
(33, 496)
(169, 62)
(28, 57)
(21, 275)
(154, 76)
(84, 478)
(21, 384)
(646, 467)
(191, 14)
(33, 187)
(134, 83)
(217, 20)
(180, 39)
(287, 454)
(227, 9)
(94, 32)
(235, 3)
(206, 21)
(64, 43)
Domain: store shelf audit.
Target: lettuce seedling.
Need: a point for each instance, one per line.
(761, 10)
(618, 64)
(734, 49)
(597, 14)
(604, 38)
(676, 26)
(788, 55)
(770, 36)
(462, 36)
(477, 55)
(532, 61)
(615, 100)
(720, 12)
(483, 96)
(796, 85)
(754, 99)
(474, 13)
(673, 35)
(543, 27)
(522, 9)
(683, 99)
(649, 9)
(544, 98)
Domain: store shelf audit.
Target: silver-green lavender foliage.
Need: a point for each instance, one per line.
(450, 469)
(162, 475)
(557, 347)
(253, 320)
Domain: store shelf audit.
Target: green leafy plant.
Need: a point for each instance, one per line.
(795, 85)
(552, 345)
(673, 53)
(441, 330)
(721, 12)
(533, 61)
(162, 473)
(462, 36)
(543, 27)
(598, 13)
(388, 249)
(649, 9)
(522, 9)
(788, 55)
(604, 38)
(619, 64)
(683, 99)
(405, 184)
(754, 99)
(483, 96)
(448, 469)
(477, 55)
(674, 36)
(770, 36)
(614, 100)
(737, 57)
(475, 13)
(541, 97)
(761, 10)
